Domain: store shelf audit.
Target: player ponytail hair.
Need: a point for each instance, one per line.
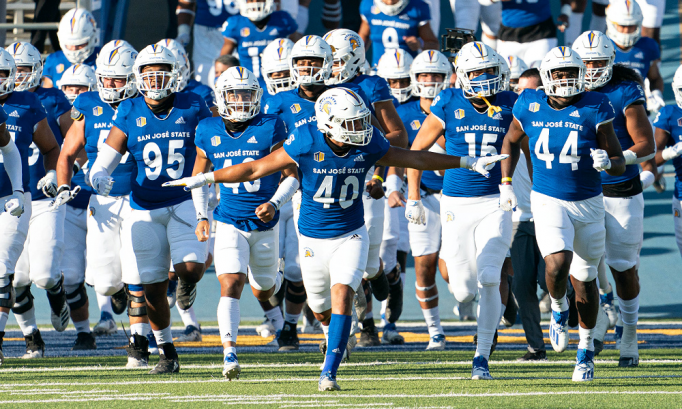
(624, 73)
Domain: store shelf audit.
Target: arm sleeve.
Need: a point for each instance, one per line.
(121, 116)
(105, 164)
(285, 192)
(12, 159)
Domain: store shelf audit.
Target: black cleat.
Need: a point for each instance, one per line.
(35, 346)
(369, 336)
(628, 362)
(59, 314)
(534, 356)
(84, 341)
(598, 347)
(168, 360)
(119, 301)
(186, 295)
(138, 351)
(288, 338)
(380, 286)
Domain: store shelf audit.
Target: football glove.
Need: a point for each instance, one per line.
(672, 152)
(192, 182)
(103, 185)
(64, 195)
(600, 159)
(508, 200)
(48, 184)
(481, 164)
(655, 101)
(414, 212)
(15, 205)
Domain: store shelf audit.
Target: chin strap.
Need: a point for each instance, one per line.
(492, 109)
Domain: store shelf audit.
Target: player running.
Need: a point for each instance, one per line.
(566, 200)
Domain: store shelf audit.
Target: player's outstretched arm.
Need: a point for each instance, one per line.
(288, 186)
(639, 127)
(608, 141)
(435, 161)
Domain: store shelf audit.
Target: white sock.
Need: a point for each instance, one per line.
(163, 336)
(27, 321)
(104, 303)
(490, 42)
(432, 318)
(488, 318)
(325, 330)
(291, 318)
(559, 305)
(629, 311)
(188, 317)
(275, 316)
(3, 320)
(598, 23)
(82, 326)
(586, 338)
(228, 319)
(575, 27)
(229, 350)
(302, 19)
(141, 328)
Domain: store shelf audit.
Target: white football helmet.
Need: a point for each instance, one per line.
(505, 73)
(395, 64)
(477, 56)
(561, 58)
(277, 54)
(256, 10)
(116, 60)
(77, 28)
(596, 46)
(78, 74)
(311, 47)
(677, 86)
(184, 70)
(349, 51)
(433, 62)
(624, 13)
(7, 64)
(393, 9)
(238, 94)
(26, 55)
(342, 116)
(156, 84)
(516, 67)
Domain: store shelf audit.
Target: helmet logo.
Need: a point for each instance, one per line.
(73, 22)
(153, 46)
(352, 94)
(431, 55)
(590, 37)
(327, 108)
(308, 39)
(113, 53)
(354, 43)
(16, 47)
(397, 57)
(563, 51)
(280, 50)
(479, 48)
(242, 73)
(628, 5)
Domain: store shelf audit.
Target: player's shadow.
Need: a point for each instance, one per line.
(655, 251)
(651, 210)
(653, 235)
(662, 311)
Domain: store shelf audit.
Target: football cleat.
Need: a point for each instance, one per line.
(191, 334)
(558, 330)
(231, 368)
(328, 383)
(629, 354)
(35, 347)
(153, 346)
(84, 341)
(171, 292)
(168, 360)
(600, 331)
(436, 343)
(288, 338)
(59, 308)
(584, 366)
(369, 336)
(534, 356)
(391, 336)
(479, 369)
(266, 328)
(465, 311)
(138, 351)
(119, 301)
(606, 302)
(186, 294)
(311, 327)
(105, 326)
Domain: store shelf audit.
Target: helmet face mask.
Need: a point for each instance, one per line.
(156, 72)
(311, 61)
(624, 22)
(348, 51)
(26, 78)
(566, 82)
(429, 62)
(516, 67)
(78, 35)
(276, 73)
(563, 73)
(80, 78)
(343, 117)
(184, 69)
(478, 70)
(401, 88)
(29, 65)
(394, 67)
(115, 65)
(597, 52)
(8, 72)
(256, 10)
(238, 94)
(391, 9)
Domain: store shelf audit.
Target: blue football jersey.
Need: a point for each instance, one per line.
(640, 56)
(251, 41)
(472, 133)
(560, 142)
(56, 63)
(669, 119)
(98, 117)
(238, 201)
(622, 95)
(5, 185)
(296, 110)
(331, 185)
(413, 117)
(163, 148)
(214, 13)
(525, 13)
(24, 111)
(204, 91)
(387, 32)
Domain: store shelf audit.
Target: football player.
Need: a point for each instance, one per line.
(158, 131)
(78, 38)
(566, 201)
(76, 80)
(333, 258)
(394, 67)
(105, 252)
(516, 67)
(474, 245)
(276, 73)
(623, 200)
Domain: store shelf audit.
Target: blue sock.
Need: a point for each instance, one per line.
(339, 330)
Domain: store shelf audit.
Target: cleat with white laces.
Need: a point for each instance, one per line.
(436, 343)
(105, 326)
(629, 353)
(266, 328)
(600, 331)
(231, 368)
(606, 301)
(191, 334)
(584, 366)
(391, 336)
(35, 347)
(558, 330)
(328, 383)
(479, 369)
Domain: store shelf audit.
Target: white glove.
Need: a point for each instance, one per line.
(481, 164)
(655, 101)
(672, 152)
(64, 195)
(103, 185)
(414, 212)
(601, 159)
(48, 184)
(508, 200)
(15, 205)
(192, 182)
(183, 34)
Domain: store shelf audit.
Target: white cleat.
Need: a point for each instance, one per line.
(558, 330)
(479, 370)
(584, 366)
(104, 327)
(629, 352)
(231, 368)
(436, 343)
(308, 327)
(191, 334)
(328, 383)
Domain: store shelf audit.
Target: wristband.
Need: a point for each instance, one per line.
(76, 168)
(466, 162)
(566, 9)
(201, 219)
(379, 178)
(506, 181)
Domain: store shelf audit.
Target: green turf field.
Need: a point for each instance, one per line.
(371, 379)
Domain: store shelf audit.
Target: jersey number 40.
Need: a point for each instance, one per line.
(324, 193)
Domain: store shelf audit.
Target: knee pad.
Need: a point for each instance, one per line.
(46, 283)
(463, 296)
(7, 292)
(76, 298)
(24, 300)
(489, 277)
(136, 311)
(295, 293)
